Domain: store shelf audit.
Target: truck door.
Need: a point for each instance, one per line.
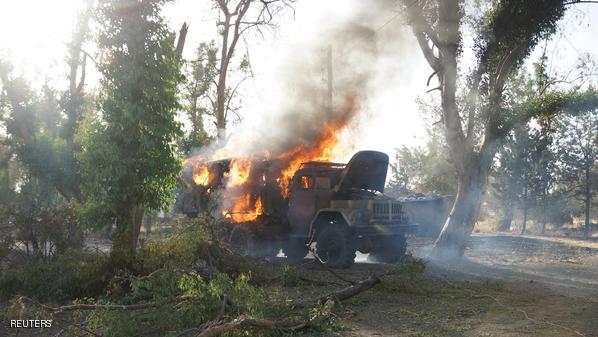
(302, 203)
(323, 192)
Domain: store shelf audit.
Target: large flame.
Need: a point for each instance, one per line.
(245, 209)
(201, 175)
(241, 202)
(326, 147)
(239, 172)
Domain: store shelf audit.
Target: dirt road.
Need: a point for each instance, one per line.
(505, 286)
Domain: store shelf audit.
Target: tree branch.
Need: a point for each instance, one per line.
(214, 329)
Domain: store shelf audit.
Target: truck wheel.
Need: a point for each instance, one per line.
(391, 249)
(335, 247)
(239, 240)
(295, 250)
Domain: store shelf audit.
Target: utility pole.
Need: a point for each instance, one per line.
(329, 66)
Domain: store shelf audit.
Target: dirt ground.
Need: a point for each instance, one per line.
(505, 286)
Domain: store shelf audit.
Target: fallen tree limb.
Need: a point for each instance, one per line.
(83, 306)
(217, 329)
(319, 282)
(245, 322)
(351, 291)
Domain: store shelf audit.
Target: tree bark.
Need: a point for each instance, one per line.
(436, 29)
(505, 224)
(226, 55)
(524, 224)
(125, 242)
(544, 219)
(137, 215)
(221, 89)
(587, 203)
(472, 184)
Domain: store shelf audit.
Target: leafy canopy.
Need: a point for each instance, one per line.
(128, 156)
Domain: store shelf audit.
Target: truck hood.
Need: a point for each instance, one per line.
(366, 170)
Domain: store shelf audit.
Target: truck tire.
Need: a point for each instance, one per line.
(391, 249)
(295, 250)
(335, 247)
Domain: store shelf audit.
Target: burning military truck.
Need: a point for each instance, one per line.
(339, 207)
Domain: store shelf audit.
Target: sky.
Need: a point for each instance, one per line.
(34, 32)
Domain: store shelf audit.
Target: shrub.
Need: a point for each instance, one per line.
(71, 275)
(412, 267)
(208, 304)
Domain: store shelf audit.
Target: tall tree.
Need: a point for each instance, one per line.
(476, 124)
(422, 170)
(128, 159)
(577, 145)
(236, 17)
(201, 73)
(511, 176)
(41, 128)
(524, 151)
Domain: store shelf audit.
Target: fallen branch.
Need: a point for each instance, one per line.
(351, 291)
(319, 282)
(217, 329)
(83, 306)
(246, 322)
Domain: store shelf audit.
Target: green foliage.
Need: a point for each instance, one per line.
(36, 124)
(193, 242)
(39, 218)
(198, 94)
(290, 276)
(529, 174)
(72, 274)
(179, 249)
(515, 27)
(162, 272)
(412, 268)
(206, 304)
(127, 156)
(576, 142)
(422, 170)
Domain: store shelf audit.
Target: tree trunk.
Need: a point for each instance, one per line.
(544, 217)
(125, 242)
(221, 89)
(507, 219)
(587, 203)
(472, 183)
(524, 224)
(137, 215)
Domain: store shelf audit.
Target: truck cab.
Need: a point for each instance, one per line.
(342, 209)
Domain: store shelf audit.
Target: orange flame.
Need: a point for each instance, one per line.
(244, 209)
(240, 203)
(201, 176)
(326, 147)
(239, 172)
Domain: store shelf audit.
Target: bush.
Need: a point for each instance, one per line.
(208, 303)
(71, 275)
(165, 273)
(45, 231)
(411, 267)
